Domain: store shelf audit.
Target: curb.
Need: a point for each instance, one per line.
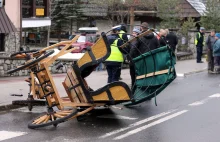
(190, 73)
(9, 107)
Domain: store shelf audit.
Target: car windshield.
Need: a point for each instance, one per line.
(91, 38)
(81, 39)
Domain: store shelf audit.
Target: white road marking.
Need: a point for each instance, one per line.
(132, 132)
(111, 116)
(137, 123)
(215, 96)
(4, 135)
(180, 75)
(198, 103)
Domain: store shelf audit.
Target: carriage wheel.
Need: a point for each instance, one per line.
(32, 62)
(52, 118)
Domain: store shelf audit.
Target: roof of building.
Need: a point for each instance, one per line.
(198, 5)
(192, 8)
(6, 26)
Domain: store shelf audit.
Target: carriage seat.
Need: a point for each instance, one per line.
(79, 92)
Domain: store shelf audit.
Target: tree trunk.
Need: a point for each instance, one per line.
(59, 33)
(112, 20)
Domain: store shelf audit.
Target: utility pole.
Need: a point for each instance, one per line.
(132, 15)
(131, 18)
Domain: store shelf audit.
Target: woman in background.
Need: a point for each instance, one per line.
(216, 53)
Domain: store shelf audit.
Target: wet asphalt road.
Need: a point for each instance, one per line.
(191, 116)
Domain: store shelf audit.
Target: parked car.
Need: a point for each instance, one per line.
(83, 43)
(87, 39)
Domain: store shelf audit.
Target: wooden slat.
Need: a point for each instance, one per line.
(71, 104)
(48, 76)
(33, 84)
(83, 112)
(79, 89)
(68, 92)
(152, 74)
(62, 51)
(75, 81)
(72, 92)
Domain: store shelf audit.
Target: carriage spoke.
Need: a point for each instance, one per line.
(57, 115)
(39, 119)
(47, 119)
(62, 113)
(42, 119)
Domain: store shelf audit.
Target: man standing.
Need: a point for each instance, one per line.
(199, 42)
(143, 45)
(172, 40)
(135, 33)
(114, 61)
(210, 42)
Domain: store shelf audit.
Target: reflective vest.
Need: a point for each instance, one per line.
(121, 34)
(196, 40)
(116, 54)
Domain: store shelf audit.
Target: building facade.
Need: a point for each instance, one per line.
(19, 21)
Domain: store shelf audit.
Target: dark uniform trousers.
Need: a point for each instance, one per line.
(199, 53)
(114, 72)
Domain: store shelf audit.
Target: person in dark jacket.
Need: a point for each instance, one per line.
(145, 43)
(199, 42)
(135, 33)
(210, 43)
(172, 40)
(141, 46)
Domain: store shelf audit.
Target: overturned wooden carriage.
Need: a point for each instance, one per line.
(78, 92)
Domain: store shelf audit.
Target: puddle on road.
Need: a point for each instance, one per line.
(36, 109)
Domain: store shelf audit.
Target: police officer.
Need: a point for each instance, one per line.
(114, 61)
(199, 42)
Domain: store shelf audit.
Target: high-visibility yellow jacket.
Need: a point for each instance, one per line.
(116, 54)
(121, 33)
(198, 37)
